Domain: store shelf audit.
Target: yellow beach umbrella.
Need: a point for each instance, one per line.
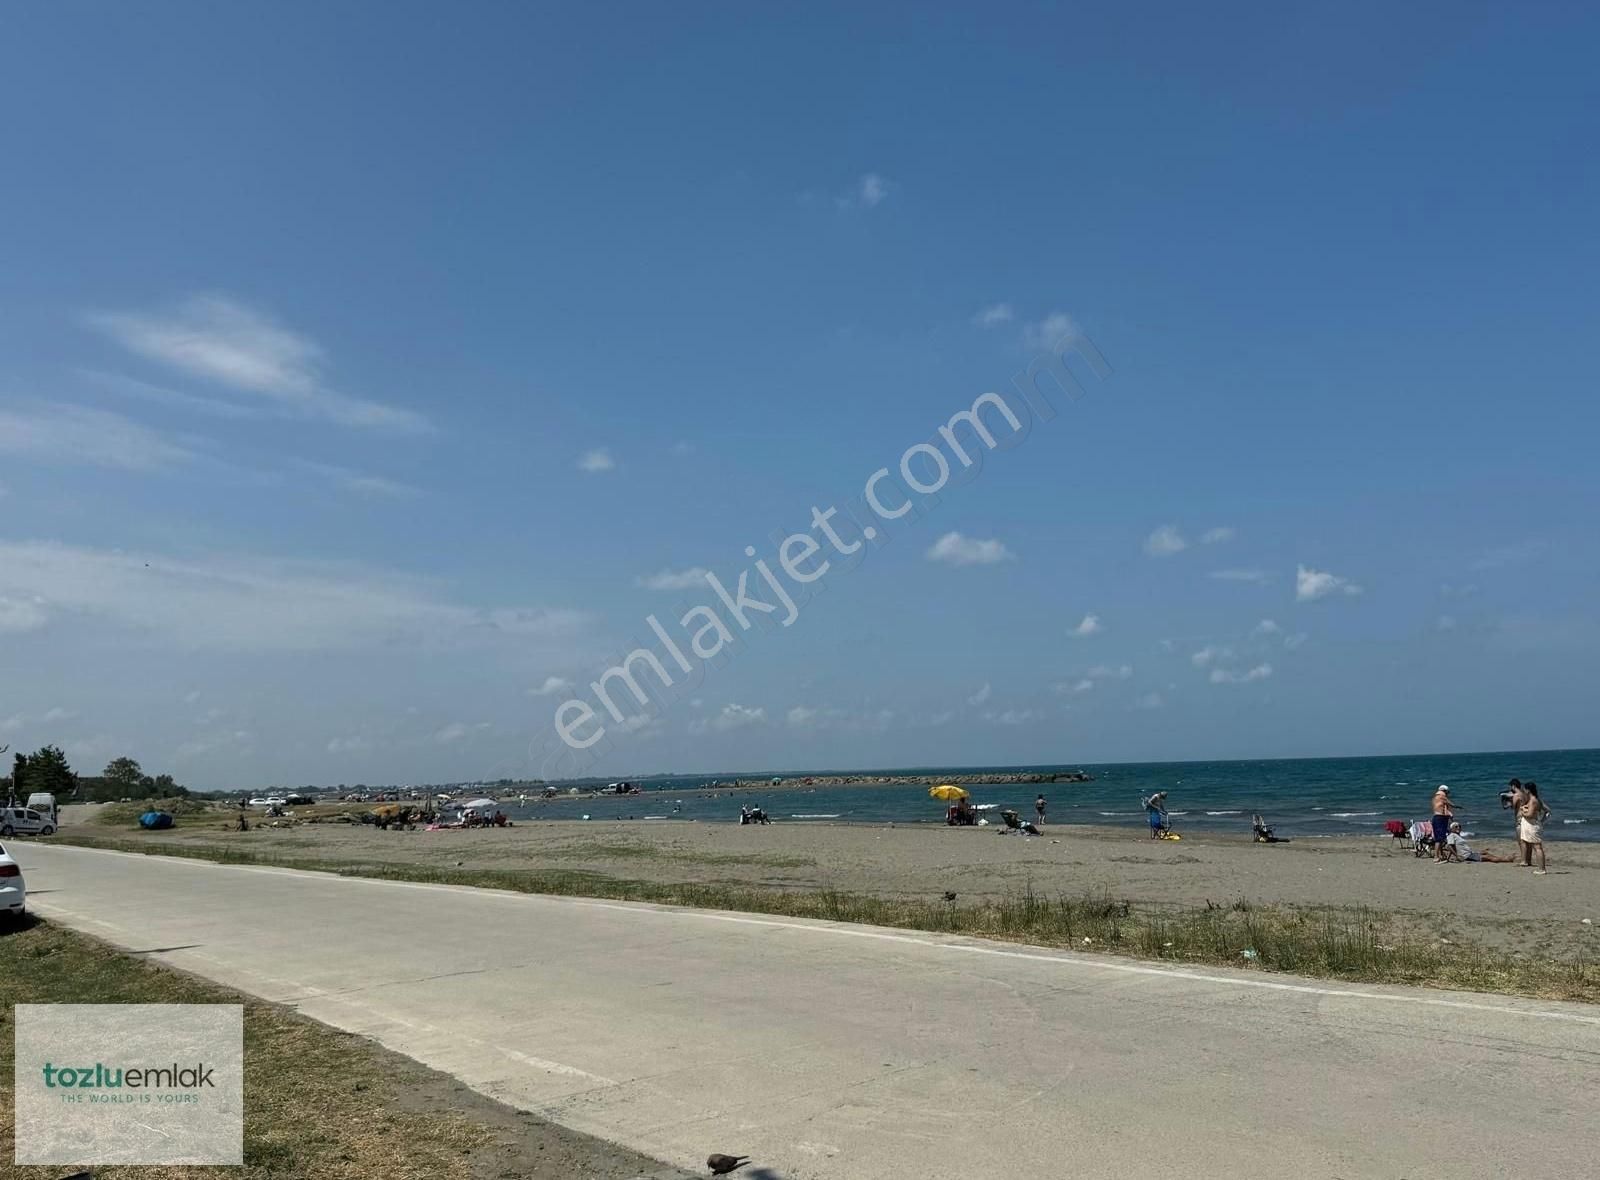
(948, 792)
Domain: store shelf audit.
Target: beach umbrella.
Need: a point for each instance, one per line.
(949, 792)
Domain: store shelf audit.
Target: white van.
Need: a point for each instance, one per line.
(25, 821)
(45, 804)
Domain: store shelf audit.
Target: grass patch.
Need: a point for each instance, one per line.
(1354, 944)
(320, 1102)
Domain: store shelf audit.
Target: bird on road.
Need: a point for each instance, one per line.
(721, 1165)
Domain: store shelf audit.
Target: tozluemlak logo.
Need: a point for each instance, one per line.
(100, 1076)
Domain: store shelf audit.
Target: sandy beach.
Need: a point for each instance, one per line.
(1503, 906)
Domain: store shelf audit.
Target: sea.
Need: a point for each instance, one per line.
(1301, 798)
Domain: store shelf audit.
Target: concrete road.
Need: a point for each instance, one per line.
(851, 1052)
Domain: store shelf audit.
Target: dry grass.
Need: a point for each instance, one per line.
(1355, 944)
(321, 1102)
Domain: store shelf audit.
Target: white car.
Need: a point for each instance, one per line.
(13, 893)
(25, 821)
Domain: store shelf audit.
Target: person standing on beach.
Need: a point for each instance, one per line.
(1038, 808)
(1442, 815)
(1156, 808)
(1511, 799)
(1530, 826)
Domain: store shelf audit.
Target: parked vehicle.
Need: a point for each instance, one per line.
(25, 821)
(45, 804)
(13, 891)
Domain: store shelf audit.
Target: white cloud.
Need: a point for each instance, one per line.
(52, 716)
(642, 725)
(1217, 535)
(982, 695)
(457, 730)
(734, 716)
(596, 461)
(1310, 584)
(355, 744)
(1521, 553)
(1108, 672)
(800, 717)
(220, 340)
(210, 406)
(1048, 332)
(1014, 717)
(1090, 625)
(1150, 700)
(1292, 642)
(239, 741)
(955, 549)
(688, 579)
(551, 686)
(359, 482)
(85, 437)
(1244, 575)
(1445, 623)
(21, 614)
(1076, 687)
(853, 721)
(1228, 676)
(1209, 655)
(1165, 541)
(996, 313)
(1266, 627)
(249, 604)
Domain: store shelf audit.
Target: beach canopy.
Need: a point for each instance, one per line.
(479, 804)
(949, 792)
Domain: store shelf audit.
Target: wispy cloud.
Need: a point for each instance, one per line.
(176, 399)
(1074, 687)
(733, 716)
(981, 696)
(1150, 700)
(359, 482)
(1209, 655)
(1230, 676)
(1242, 575)
(1110, 672)
(1266, 627)
(217, 339)
(1310, 584)
(1520, 553)
(81, 436)
(1014, 717)
(251, 604)
(869, 192)
(1217, 535)
(596, 461)
(459, 730)
(689, 579)
(1087, 626)
(1165, 541)
(1048, 332)
(551, 686)
(955, 549)
(994, 314)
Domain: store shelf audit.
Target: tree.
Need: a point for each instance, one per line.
(125, 772)
(46, 770)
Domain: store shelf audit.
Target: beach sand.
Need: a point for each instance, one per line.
(1502, 906)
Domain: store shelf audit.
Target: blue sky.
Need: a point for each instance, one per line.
(361, 368)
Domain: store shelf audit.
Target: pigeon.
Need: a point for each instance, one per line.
(721, 1165)
(949, 895)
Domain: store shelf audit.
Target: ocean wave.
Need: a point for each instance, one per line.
(1574, 821)
(1182, 813)
(835, 815)
(1351, 814)
(1119, 813)
(1221, 813)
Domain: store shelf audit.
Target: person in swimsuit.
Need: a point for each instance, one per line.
(1530, 826)
(1442, 815)
(1156, 810)
(1038, 807)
